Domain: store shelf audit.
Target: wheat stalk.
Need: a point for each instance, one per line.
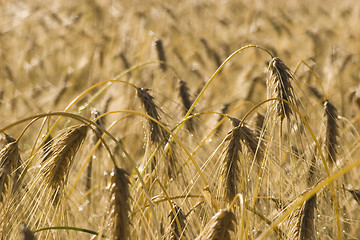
(96, 136)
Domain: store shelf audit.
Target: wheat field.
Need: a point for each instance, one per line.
(180, 120)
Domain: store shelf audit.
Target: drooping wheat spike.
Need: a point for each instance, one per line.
(26, 233)
(161, 54)
(307, 221)
(185, 99)
(219, 227)
(331, 131)
(63, 148)
(10, 163)
(230, 171)
(156, 132)
(301, 225)
(280, 87)
(119, 201)
(177, 224)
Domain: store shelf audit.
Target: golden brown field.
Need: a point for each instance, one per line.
(180, 119)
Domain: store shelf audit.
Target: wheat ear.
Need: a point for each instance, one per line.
(161, 54)
(230, 172)
(331, 131)
(307, 225)
(185, 99)
(120, 207)
(219, 226)
(279, 82)
(156, 132)
(63, 149)
(177, 223)
(9, 167)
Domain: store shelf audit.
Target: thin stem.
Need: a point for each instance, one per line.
(70, 228)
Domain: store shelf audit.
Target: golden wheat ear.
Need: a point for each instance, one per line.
(331, 131)
(219, 227)
(156, 132)
(280, 86)
(120, 206)
(230, 171)
(177, 222)
(63, 150)
(9, 167)
(307, 221)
